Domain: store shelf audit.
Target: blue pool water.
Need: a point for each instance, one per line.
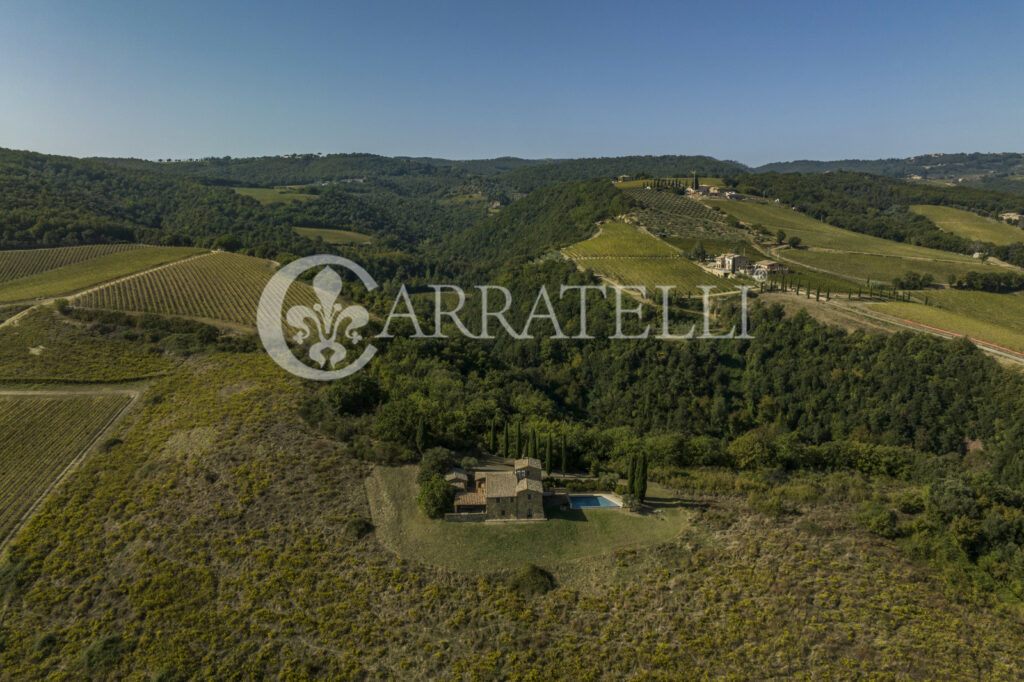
(589, 501)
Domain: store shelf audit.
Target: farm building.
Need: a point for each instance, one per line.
(771, 267)
(497, 495)
(732, 262)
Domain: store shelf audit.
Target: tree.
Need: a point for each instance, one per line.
(780, 237)
(564, 462)
(506, 450)
(631, 475)
(435, 497)
(794, 242)
(493, 441)
(642, 480)
(519, 438)
(547, 458)
(435, 461)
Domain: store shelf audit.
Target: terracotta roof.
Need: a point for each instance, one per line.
(501, 484)
(456, 475)
(527, 462)
(463, 498)
(529, 484)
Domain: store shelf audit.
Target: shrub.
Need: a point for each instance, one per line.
(105, 652)
(435, 497)
(878, 519)
(358, 527)
(532, 580)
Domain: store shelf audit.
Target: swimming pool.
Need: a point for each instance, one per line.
(590, 501)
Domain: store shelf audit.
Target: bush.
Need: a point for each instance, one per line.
(105, 652)
(435, 497)
(358, 527)
(878, 519)
(532, 580)
(62, 305)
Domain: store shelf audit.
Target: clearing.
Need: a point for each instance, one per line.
(332, 236)
(275, 195)
(482, 547)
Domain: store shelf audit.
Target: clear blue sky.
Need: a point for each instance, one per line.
(755, 82)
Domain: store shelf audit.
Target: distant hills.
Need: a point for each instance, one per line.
(1002, 171)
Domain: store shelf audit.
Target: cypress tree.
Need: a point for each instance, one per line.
(421, 435)
(564, 462)
(642, 479)
(519, 438)
(493, 443)
(631, 474)
(548, 457)
(507, 450)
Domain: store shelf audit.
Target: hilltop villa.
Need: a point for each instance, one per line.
(497, 495)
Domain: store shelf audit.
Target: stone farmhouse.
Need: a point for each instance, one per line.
(498, 495)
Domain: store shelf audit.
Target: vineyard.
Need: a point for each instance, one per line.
(74, 277)
(818, 234)
(17, 264)
(628, 256)
(39, 437)
(675, 205)
(617, 239)
(218, 286)
(970, 225)
(862, 267)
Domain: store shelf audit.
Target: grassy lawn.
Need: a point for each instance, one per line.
(970, 225)
(334, 236)
(274, 195)
(479, 547)
(879, 268)
(78, 276)
(816, 233)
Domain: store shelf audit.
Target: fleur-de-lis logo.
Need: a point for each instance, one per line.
(328, 322)
(326, 317)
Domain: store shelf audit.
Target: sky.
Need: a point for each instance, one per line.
(752, 82)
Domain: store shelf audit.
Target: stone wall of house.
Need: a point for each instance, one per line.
(529, 505)
(475, 516)
(501, 507)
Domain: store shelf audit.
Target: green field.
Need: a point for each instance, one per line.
(40, 435)
(629, 256)
(479, 548)
(1000, 333)
(18, 264)
(219, 286)
(72, 278)
(274, 195)
(332, 236)
(618, 239)
(877, 268)
(979, 314)
(816, 233)
(970, 225)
